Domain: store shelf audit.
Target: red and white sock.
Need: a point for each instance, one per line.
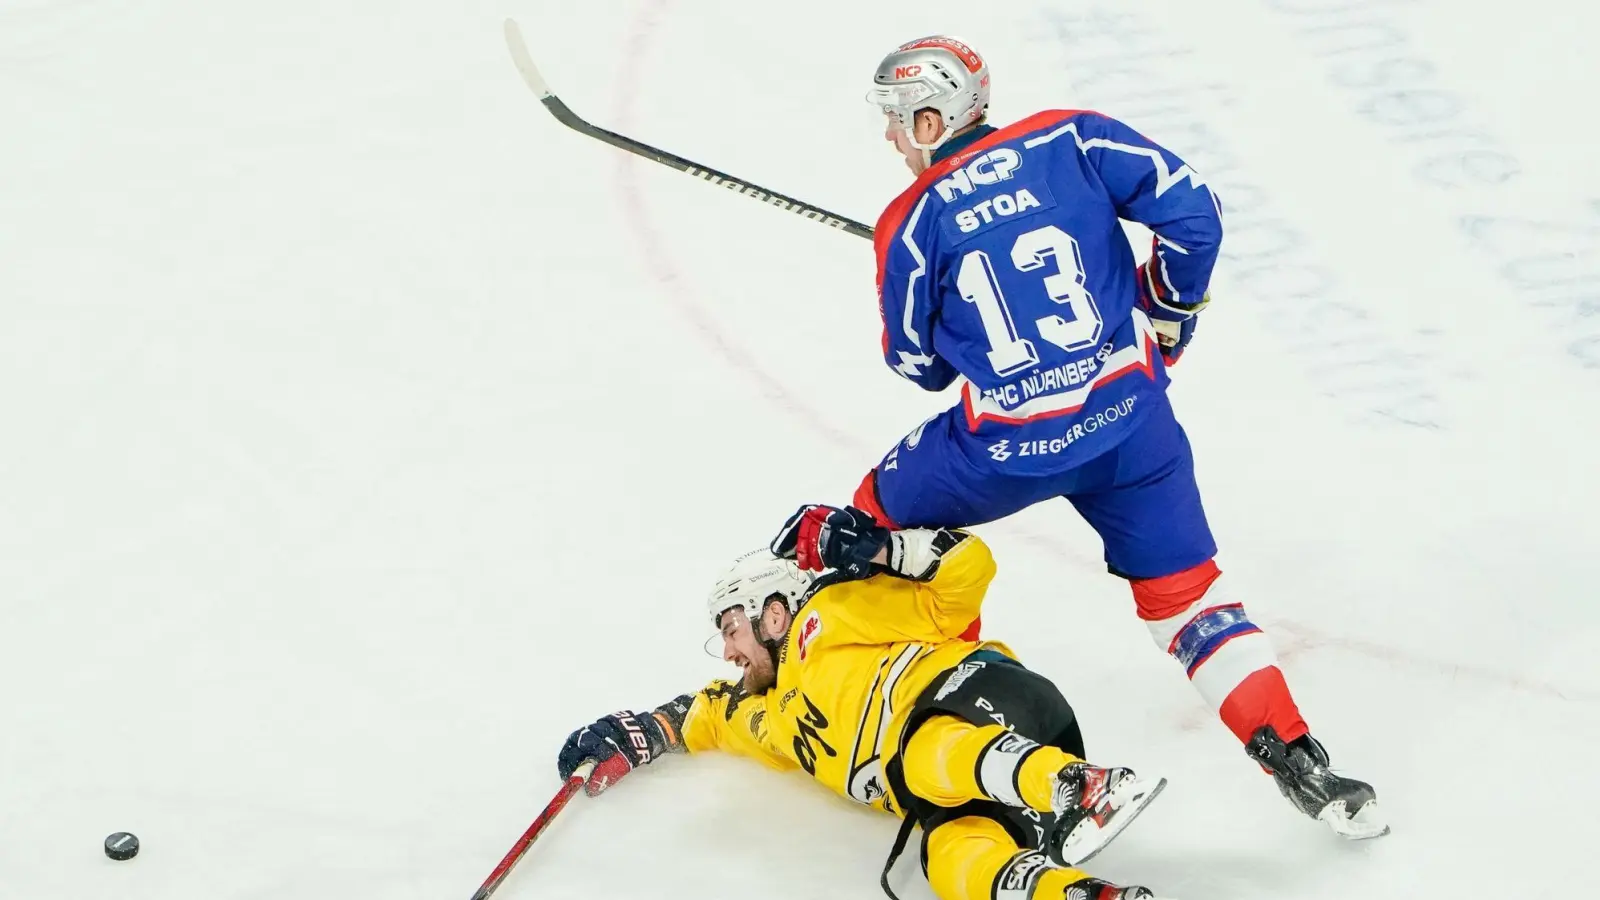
(1226, 656)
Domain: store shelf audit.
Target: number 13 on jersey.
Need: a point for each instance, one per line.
(1009, 352)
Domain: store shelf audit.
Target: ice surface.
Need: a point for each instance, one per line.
(365, 431)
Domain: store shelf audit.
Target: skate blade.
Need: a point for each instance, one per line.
(1366, 824)
(1127, 800)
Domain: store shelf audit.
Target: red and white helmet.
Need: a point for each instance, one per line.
(936, 72)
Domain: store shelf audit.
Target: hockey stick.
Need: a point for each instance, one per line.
(574, 781)
(565, 115)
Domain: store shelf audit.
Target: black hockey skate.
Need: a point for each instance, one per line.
(1095, 889)
(1300, 768)
(1092, 806)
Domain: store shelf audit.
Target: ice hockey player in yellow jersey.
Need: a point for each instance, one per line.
(861, 677)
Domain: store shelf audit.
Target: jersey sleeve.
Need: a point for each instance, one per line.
(932, 596)
(952, 593)
(724, 717)
(907, 293)
(1150, 185)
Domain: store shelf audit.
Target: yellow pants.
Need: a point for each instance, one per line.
(948, 762)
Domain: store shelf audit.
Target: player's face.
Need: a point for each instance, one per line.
(928, 127)
(742, 647)
(895, 133)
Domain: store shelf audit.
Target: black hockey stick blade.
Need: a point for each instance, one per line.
(565, 115)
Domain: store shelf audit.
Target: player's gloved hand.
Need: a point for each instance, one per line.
(1174, 335)
(617, 744)
(1174, 323)
(826, 537)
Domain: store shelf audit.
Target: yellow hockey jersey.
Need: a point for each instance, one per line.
(856, 657)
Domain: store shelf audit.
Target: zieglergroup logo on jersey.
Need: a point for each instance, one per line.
(1003, 450)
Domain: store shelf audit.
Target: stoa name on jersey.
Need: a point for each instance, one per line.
(993, 167)
(1044, 381)
(1002, 205)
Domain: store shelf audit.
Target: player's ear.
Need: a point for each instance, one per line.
(776, 617)
(928, 126)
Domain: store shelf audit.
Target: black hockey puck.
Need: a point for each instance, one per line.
(122, 845)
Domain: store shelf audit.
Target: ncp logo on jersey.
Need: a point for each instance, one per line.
(990, 168)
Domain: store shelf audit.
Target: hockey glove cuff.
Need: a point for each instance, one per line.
(1174, 322)
(914, 553)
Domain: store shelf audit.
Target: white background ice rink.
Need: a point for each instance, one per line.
(363, 432)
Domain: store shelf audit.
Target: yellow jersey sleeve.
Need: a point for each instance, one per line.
(938, 603)
(724, 717)
(953, 597)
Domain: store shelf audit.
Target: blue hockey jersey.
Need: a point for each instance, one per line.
(1005, 268)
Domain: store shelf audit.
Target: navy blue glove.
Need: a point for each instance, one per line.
(621, 742)
(825, 537)
(1174, 337)
(1174, 323)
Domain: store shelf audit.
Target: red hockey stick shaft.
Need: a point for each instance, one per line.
(574, 781)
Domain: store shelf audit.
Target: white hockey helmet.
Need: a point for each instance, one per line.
(937, 72)
(753, 578)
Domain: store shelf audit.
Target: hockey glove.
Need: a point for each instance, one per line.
(1174, 323)
(824, 537)
(621, 742)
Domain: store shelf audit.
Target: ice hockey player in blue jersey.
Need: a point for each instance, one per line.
(1005, 271)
